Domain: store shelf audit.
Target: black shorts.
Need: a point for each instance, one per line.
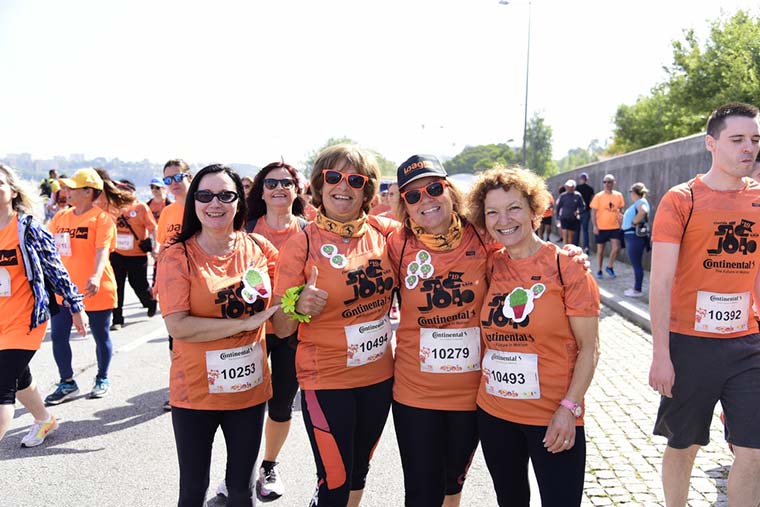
(546, 220)
(607, 234)
(709, 370)
(569, 224)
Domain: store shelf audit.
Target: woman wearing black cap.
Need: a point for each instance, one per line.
(440, 261)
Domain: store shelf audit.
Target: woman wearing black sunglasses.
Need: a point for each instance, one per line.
(337, 283)
(440, 259)
(214, 283)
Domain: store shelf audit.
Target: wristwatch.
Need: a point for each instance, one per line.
(573, 407)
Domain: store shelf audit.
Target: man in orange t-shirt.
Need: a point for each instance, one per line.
(607, 217)
(706, 346)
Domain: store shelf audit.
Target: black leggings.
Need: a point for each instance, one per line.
(344, 426)
(507, 447)
(194, 434)
(436, 448)
(14, 373)
(282, 354)
(134, 268)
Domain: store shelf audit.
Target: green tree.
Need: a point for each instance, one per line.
(539, 147)
(475, 159)
(580, 156)
(387, 167)
(701, 78)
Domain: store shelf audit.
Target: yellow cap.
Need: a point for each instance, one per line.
(87, 177)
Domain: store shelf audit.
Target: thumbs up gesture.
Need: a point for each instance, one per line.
(313, 299)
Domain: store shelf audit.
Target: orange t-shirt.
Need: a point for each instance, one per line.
(379, 209)
(608, 208)
(139, 217)
(190, 280)
(277, 238)
(718, 259)
(157, 206)
(347, 345)
(170, 223)
(16, 298)
(438, 342)
(533, 336)
(549, 209)
(77, 237)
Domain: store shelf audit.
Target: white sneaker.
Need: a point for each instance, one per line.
(633, 293)
(39, 432)
(221, 489)
(269, 486)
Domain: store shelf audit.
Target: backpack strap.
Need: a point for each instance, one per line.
(559, 271)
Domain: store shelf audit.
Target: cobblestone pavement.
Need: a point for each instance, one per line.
(624, 458)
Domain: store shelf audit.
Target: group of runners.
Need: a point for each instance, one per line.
(497, 341)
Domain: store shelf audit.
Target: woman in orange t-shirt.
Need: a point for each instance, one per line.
(344, 362)
(214, 283)
(440, 260)
(540, 331)
(84, 236)
(29, 269)
(275, 210)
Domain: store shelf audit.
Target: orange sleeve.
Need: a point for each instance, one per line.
(161, 232)
(150, 222)
(173, 280)
(270, 252)
(291, 273)
(105, 233)
(594, 202)
(385, 225)
(581, 290)
(621, 201)
(670, 219)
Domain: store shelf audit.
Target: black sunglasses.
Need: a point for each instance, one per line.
(434, 189)
(356, 181)
(154, 187)
(271, 183)
(225, 196)
(177, 178)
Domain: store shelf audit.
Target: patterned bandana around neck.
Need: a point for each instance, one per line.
(352, 229)
(440, 242)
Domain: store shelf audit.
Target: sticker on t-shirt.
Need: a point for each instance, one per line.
(256, 284)
(449, 350)
(420, 268)
(519, 303)
(63, 244)
(5, 283)
(512, 375)
(721, 313)
(367, 342)
(337, 260)
(125, 242)
(234, 370)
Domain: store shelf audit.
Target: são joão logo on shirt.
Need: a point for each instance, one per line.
(232, 305)
(733, 238)
(514, 308)
(442, 293)
(74, 232)
(368, 282)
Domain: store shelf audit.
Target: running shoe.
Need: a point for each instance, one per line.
(39, 431)
(101, 388)
(65, 390)
(633, 293)
(269, 486)
(599, 275)
(152, 307)
(167, 406)
(610, 272)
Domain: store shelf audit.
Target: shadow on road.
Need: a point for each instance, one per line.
(720, 476)
(141, 409)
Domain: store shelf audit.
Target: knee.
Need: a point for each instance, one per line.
(280, 410)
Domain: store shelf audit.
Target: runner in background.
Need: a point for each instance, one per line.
(706, 346)
(134, 227)
(28, 264)
(159, 199)
(84, 236)
(247, 185)
(344, 362)
(440, 261)
(275, 211)
(214, 283)
(540, 329)
(545, 229)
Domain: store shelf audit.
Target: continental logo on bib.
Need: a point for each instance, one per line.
(371, 327)
(732, 239)
(724, 299)
(448, 335)
(237, 353)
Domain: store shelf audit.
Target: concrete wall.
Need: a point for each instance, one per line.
(659, 167)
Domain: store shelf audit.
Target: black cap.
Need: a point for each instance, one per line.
(419, 166)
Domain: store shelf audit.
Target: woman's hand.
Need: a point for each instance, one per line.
(578, 254)
(312, 300)
(560, 435)
(80, 322)
(256, 321)
(92, 287)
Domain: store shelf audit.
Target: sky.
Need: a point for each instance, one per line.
(254, 81)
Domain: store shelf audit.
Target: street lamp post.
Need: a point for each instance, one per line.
(527, 75)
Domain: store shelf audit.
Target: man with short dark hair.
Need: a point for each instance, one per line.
(705, 276)
(587, 192)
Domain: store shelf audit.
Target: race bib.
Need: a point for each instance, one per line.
(234, 370)
(512, 375)
(449, 350)
(367, 342)
(125, 242)
(721, 313)
(5, 283)
(63, 244)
